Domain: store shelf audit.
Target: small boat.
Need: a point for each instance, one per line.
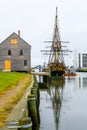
(69, 74)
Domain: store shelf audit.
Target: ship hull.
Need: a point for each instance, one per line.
(57, 73)
(57, 69)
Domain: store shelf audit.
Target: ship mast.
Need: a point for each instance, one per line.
(56, 53)
(56, 63)
(56, 37)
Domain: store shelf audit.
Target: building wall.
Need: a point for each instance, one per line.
(10, 50)
(82, 60)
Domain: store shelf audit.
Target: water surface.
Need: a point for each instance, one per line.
(64, 105)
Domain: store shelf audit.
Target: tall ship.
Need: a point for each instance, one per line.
(56, 53)
(56, 60)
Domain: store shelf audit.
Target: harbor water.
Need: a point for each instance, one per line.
(63, 105)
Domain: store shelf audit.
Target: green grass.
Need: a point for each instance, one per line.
(8, 79)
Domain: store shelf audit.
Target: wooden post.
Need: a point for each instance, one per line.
(35, 92)
(32, 108)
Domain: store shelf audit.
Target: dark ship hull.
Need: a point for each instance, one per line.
(57, 69)
(57, 73)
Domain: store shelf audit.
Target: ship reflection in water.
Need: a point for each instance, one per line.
(53, 99)
(56, 88)
(63, 106)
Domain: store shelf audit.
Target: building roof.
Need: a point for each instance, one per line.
(14, 34)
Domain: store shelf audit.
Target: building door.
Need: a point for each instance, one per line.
(7, 65)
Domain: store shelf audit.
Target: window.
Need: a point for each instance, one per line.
(14, 41)
(21, 52)
(25, 62)
(9, 52)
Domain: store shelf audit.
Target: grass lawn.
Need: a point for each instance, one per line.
(16, 83)
(8, 79)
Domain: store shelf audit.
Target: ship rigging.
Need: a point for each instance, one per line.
(56, 53)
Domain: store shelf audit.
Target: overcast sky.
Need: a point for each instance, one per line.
(35, 20)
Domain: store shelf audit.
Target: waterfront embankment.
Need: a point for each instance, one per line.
(21, 116)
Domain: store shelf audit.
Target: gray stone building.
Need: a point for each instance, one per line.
(82, 60)
(15, 54)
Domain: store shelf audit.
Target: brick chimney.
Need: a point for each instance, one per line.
(19, 33)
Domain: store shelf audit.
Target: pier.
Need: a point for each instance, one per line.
(41, 73)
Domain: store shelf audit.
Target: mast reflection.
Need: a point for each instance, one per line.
(56, 92)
